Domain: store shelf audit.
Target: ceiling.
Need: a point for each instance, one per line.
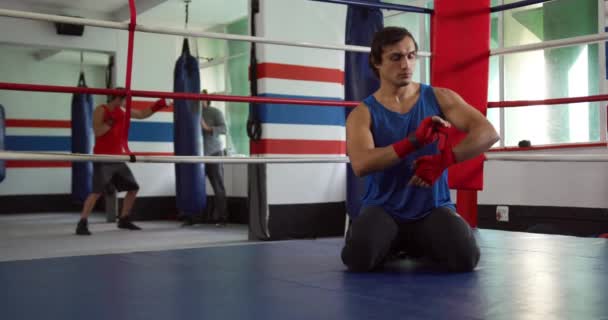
(59, 56)
(203, 13)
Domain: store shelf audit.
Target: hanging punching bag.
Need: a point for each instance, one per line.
(2, 134)
(189, 178)
(360, 81)
(82, 142)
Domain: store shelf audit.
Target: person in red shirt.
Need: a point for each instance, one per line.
(108, 125)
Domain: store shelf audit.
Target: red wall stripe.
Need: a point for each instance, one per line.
(35, 123)
(141, 105)
(39, 123)
(294, 72)
(37, 164)
(284, 146)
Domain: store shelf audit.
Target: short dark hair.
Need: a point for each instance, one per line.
(114, 96)
(386, 37)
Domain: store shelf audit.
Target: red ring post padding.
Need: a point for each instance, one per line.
(460, 61)
(132, 25)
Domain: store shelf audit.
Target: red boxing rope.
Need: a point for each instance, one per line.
(525, 103)
(176, 95)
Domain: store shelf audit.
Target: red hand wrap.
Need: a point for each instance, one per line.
(430, 168)
(425, 133)
(159, 104)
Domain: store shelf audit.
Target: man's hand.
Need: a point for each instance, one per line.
(429, 168)
(425, 133)
(158, 105)
(206, 127)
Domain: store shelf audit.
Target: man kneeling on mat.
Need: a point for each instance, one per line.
(108, 123)
(392, 140)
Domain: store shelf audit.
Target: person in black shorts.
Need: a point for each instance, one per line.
(108, 123)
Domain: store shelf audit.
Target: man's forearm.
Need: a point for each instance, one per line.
(100, 130)
(373, 160)
(477, 141)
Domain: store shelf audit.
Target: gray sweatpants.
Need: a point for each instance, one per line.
(442, 236)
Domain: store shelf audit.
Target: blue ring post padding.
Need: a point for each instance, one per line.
(82, 142)
(189, 178)
(515, 5)
(2, 135)
(379, 5)
(360, 82)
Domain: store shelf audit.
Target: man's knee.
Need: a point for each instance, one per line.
(464, 256)
(358, 257)
(455, 242)
(359, 253)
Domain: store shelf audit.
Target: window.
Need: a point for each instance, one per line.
(542, 74)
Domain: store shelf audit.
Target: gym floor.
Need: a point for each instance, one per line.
(168, 272)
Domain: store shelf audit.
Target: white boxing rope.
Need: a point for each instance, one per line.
(181, 32)
(78, 157)
(548, 157)
(592, 38)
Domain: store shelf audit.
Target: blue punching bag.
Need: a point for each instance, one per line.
(82, 142)
(2, 135)
(360, 81)
(189, 178)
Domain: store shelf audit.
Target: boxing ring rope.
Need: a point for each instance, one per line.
(132, 26)
(516, 5)
(182, 32)
(388, 6)
(74, 157)
(174, 95)
(551, 44)
(525, 103)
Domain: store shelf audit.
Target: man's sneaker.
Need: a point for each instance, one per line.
(82, 229)
(125, 223)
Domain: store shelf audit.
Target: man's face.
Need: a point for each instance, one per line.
(118, 101)
(398, 62)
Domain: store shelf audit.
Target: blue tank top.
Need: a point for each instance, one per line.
(389, 189)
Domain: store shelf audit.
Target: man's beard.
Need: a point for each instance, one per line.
(401, 83)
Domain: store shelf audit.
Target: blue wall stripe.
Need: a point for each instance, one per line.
(139, 132)
(151, 132)
(37, 143)
(300, 114)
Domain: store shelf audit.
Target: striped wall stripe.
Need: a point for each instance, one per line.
(300, 114)
(61, 132)
(302, 131)
(37, 143)
(284, 146)
(15, 164)
(301, 88)
(36, 123)
(151, 132)
(298, 72)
